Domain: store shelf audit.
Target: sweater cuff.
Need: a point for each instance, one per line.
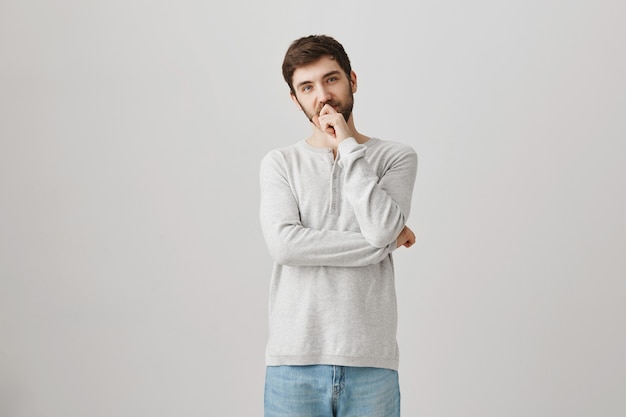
(347, 145)
(349, 149)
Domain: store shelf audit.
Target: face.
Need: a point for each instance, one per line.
(323, 82)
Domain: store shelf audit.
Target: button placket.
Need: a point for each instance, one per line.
(333, 182)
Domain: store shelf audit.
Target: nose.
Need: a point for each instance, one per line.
(323, 94)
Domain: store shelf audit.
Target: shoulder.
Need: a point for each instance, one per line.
(391, 145)
(388, 149)
(281, 158)
(279, 153)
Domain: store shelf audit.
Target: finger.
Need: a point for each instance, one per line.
(327, 109)
(327, 124)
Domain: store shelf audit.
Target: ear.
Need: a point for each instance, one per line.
(295, 100)
(353, 81)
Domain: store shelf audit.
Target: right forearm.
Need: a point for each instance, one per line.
(295, 245)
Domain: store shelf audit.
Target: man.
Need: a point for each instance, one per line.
(333, 209)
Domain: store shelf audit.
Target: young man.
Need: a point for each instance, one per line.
(333, 209)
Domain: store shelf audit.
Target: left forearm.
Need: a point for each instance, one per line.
(381, 205)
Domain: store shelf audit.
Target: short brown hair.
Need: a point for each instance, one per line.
(309, 49)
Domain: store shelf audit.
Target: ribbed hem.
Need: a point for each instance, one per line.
(338, 360)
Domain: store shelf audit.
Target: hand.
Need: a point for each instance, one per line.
(333, 124)
(406, 238)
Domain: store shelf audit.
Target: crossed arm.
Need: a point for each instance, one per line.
(380, 205)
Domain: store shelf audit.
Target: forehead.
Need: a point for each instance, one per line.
(315, 70)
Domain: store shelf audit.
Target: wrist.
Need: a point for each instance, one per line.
(347, 144)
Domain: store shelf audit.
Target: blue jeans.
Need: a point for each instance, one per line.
(331, 391)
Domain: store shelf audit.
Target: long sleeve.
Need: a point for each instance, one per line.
(332, 291)
(381, 204)
(292, 244)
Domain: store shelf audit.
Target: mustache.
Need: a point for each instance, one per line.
(335, 105)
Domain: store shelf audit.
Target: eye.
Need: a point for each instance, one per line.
(331, 79)
(306, 88)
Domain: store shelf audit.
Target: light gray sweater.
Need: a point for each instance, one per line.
(331, 226)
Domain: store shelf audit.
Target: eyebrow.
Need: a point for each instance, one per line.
(328, 74)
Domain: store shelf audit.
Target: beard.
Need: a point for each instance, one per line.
(344, 107)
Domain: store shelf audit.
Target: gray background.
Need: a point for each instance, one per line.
(133, 274)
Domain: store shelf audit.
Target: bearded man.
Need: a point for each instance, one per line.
(334, 207)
